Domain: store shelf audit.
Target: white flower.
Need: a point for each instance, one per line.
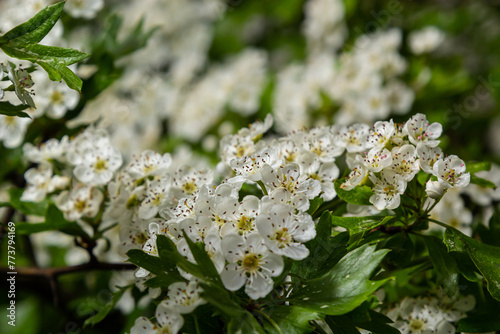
(387, 190)
(12, 130)
(187, 181)
(284, 232)
(249, 168)
(420, 131)
(169, 322)
(98, 166)
(404, 161)
(380, 134)
(183, 297)
(434, 189)
(239, 217)
(22, 82)
(353, 137)
(250, 264)
(428, 157)
(286, 183)
(157, 197)
(355, 177)
(418, 317)
(321, 142)
(86, 9)
(325, 173)
(451, 172)
(82, 201)
(40, 183)
(425, 40)
(149, 163)
(376, 159)
(52, 149)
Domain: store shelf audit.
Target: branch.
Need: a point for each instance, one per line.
(57, 271)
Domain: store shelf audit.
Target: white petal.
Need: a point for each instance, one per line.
(233, 277)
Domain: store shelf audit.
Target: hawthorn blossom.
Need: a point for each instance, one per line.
(98, 166)
(451, 172)
(419, 130)
(352, 137)
(81, 201)
(355, 177)
(250, 263)
(169, 322)
(157, 197)
(41, 182)
(183, 297)
(381, 134)
(376, 160)
(52, 149)
(284, 232)
(388, 188)
(22, 82)
(149, 163)
(404, 161)
(428, 157)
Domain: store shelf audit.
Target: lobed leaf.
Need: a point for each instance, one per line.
(360, 195)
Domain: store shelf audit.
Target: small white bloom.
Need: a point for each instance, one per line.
(451, 172)
(428, 157)
(22, 82)
(169, 322)
(425, 40)
(82, 201)
(98, 165)
(149, 163)
(387, 190)
(353, 137)
(404, 161)
(40, 183)
(284, 232)
(376, 159)
(183, 297)
(52, 149)
(420, 131)
(355, 177)
(13, 129)
(250, 264)
(157, 197)
(380, 134)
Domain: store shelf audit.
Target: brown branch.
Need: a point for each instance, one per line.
(57, 271)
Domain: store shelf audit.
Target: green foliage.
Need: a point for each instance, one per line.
(99, 316)
(360, 224)
(485, 257)
(54, 221)
(28, 208)
(8, 109)
(343, 287)
(444, 263)
(360, 195)
(21, 42)
(289, 319)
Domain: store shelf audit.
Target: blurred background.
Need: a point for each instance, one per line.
(177, 75)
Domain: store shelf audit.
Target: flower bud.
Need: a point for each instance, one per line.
(434, 189)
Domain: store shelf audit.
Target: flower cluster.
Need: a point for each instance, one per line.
(430, 314)
(390, 155)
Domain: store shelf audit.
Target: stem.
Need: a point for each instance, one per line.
(263, 187)
(33, 272)
(438, 222)
(196, 325)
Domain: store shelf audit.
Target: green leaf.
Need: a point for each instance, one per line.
(444, 263)
(341, 324)
(290, 319)
(201, 257)
(324, 251)
(481, 182)
(480, 323)
(402, 250)
(379, 324)
(34, 30)
(244, 324)
(474, 167)
(345, 286)
(485, 257)
(314, 205)
(360, 224)
(220, 298)
(360, 195)
(53, 60)
(99, 316)
(28, 208)
(54, 221)
(8, 109)
(151, 263)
